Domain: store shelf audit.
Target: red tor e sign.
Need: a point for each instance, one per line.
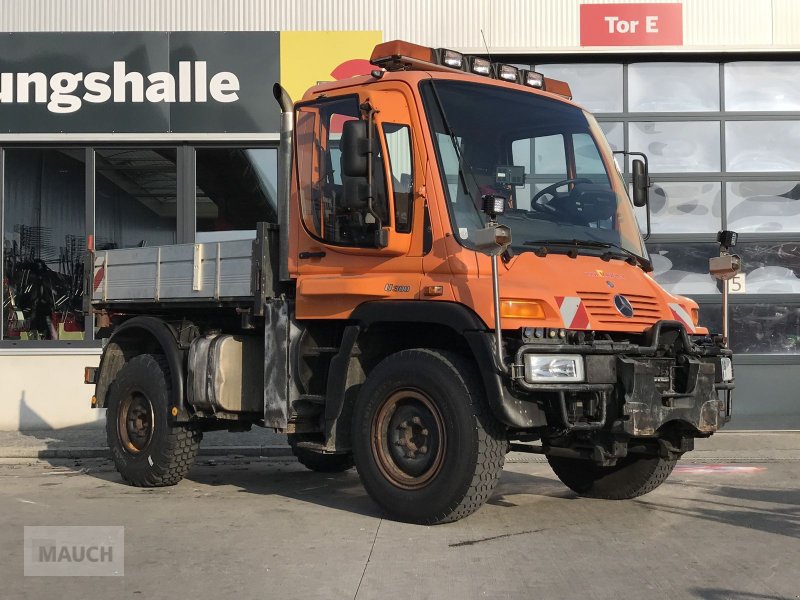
(632, 24)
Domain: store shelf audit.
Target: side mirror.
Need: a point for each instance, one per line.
(493, 239)
(641, 183)
(356, 148)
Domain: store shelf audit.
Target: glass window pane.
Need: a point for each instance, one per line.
(44, 244)
(549, 157)
(672, 87)
(762, 145)
(683, 268)
(765, 328)
(762, 85)
(770, 267)
(711, 316)
(755, 206)
(678, 147)
(587, 157)
(398, 149)
(235, 189)
(597, 88)
(136, 197)
(683, 207)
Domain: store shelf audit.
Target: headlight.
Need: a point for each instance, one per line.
(727, 368)
(560, 368)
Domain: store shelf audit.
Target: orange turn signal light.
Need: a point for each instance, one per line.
(521, 309)
(695, 316)
(433, 290)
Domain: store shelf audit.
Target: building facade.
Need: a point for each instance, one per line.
(150, 122)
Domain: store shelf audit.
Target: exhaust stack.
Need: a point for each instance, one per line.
(284, 176)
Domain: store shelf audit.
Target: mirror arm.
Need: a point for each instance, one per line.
(367, 108)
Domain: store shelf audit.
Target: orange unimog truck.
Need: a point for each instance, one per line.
(457, 272)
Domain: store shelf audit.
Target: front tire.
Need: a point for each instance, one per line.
(632, 476)
(147, 450)
(425, 445)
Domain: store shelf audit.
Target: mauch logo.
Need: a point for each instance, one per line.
(75, 551)
(623, 306)
(51, 552)
(66, 92)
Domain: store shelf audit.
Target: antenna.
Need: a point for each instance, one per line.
(487, 45)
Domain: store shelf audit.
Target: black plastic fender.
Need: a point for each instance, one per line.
(508, 409)
(137, 336)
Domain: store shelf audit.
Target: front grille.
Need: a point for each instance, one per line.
(601, 309)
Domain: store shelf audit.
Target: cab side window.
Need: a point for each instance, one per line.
(335, 208)
(398, 149)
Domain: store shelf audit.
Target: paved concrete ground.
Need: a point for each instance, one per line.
(266, 528)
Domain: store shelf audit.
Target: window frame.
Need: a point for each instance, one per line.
(393, 209)
(377, 162)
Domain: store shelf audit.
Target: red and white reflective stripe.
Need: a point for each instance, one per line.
(681, 315)
(573, 312)
(99, 274)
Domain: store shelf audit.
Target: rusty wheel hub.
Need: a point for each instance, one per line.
(135, 423)
(408, 439)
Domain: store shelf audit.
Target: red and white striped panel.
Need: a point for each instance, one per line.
(573, 312)
(680, 314)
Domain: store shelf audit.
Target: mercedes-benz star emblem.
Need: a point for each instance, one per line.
(623, 306)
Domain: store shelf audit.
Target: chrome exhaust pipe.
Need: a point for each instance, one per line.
(284, 176)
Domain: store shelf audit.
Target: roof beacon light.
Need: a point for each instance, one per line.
(533, 79)
(508, 73)
(480, 66)
(398, 55)
(450, 58)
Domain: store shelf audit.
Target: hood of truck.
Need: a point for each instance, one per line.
(585, 292)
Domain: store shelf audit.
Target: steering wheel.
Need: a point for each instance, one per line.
(551, 190)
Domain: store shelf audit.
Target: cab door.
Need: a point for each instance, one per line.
(349, 250)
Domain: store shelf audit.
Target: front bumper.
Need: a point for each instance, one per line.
(636, 389)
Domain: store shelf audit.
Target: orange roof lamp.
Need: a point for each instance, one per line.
(405, 56)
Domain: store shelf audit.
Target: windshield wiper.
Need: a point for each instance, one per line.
(630, 256)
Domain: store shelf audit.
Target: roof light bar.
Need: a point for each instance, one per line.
(533, 79)
(398, 55)
(450, 58)
(480, 66)
(389, 53)
(508, 73)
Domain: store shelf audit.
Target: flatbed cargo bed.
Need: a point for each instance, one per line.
(214, 271)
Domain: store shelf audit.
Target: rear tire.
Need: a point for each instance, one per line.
(317, 461)
(147, 450)
(632, 476)
(426, 447)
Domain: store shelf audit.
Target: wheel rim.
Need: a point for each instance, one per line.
(408, 439)
(135, 422)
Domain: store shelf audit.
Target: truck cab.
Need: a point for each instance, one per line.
(457, 272)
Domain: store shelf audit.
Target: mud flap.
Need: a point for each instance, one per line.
(276, 361)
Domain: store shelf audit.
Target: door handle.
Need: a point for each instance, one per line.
(305, 255)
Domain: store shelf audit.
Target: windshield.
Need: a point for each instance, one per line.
(542, 155)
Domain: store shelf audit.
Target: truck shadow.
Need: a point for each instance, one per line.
(770, 510)
(340, 491)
